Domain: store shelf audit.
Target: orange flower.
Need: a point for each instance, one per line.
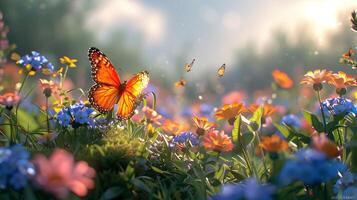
(230, 111)
(316, 78)
(282, 79)
(172, 127)
(9, 100)
(273, 144)
(342, 80)
(48, 87)
(322, 143)
(202, 124)
(152, 116)
(217, 141)
(268, 109)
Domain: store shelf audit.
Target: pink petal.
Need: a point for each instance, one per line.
(78, 188)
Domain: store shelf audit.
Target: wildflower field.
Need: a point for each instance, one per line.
(126, 137)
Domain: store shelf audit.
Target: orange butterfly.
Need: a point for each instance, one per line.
(221, 70)
(348, 54)
(188, 67)
(180, 83)
(108, 90)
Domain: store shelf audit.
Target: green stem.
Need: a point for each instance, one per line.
(18, 104)
(263, 158)
(344, 150)
(48, 121)
(322, 111)
(63, 77)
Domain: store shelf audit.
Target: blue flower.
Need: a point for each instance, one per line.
(63, 117)
(81, 117)
(15, 167)
(248, 189)
(338, 106)
(183, 138)
(291, 120)
(186, 112)
(76, 114)
(206, 109)
(347, 184)
(311, 167)
(36, 61)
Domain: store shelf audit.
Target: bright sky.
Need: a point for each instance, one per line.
(210, 30)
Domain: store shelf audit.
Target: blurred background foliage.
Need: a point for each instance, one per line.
(58, 27)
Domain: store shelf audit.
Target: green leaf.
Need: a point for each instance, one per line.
(111, 193)
(236, 128)
(219, 175)
(256, 119)
(159, 170)
(141, 185)
(27, 121)
(314, 121)
(257, 116)
(282, 129)
(247, 138)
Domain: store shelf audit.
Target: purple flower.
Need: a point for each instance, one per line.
(248, 189)
(184, 138)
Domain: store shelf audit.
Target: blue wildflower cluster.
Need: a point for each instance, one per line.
(206, 109)
(347, 184)
(291, 120)
(15, 167)
(184, 138)
(248, 189)
(338, 106)
(75, 115)
(311, 167)
(36, 61)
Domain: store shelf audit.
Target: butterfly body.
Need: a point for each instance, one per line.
(108, 90)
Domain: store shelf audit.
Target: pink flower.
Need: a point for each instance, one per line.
(60, 174)
(233, 97)
(9, 99)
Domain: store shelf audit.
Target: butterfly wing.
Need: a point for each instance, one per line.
(180, 83)
(103, 71)
(131, 95)
(106, 92)
(103, 97)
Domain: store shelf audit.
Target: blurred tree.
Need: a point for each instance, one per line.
(252, 70)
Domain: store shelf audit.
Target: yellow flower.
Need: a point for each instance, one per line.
(68, 61)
